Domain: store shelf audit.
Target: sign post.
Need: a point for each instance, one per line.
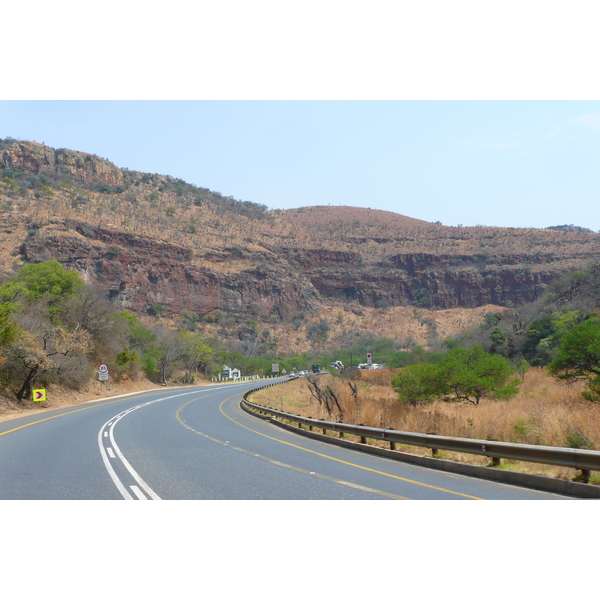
(103, 375)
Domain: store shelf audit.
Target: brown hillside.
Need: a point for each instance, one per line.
(151, 240)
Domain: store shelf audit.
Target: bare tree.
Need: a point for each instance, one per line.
(325, 397)
(46, 350)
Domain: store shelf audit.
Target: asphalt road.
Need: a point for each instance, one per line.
(197, 444)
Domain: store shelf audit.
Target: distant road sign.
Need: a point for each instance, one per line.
(103, 368)
(369, 357)
(39, 395)
(275, 367)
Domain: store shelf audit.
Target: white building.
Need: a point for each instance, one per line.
(229, 373)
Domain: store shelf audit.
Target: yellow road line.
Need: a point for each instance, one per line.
(325, 455)
(280, 464)
(62, 415)
(121, 399)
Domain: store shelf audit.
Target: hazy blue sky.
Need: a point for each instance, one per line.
(464, 112)
(502, 163)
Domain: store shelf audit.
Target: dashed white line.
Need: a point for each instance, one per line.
(107, 431)
(136, 490)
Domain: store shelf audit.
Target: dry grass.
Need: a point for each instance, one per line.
(153, 208)
(59, 397)
(545, 412)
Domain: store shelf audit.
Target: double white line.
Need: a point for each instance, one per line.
(110, 451)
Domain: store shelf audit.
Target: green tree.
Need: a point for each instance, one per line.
(470, 374)
(139, 337)
(522, 368)
(157, 309)
(49, 280)
(464, 374)
(8, 327)
(8, 333)
(578, 357)
(195, 353)
(39, 342)
(540, 334)
(418, 384)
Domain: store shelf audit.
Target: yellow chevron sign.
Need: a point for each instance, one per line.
(39, 395)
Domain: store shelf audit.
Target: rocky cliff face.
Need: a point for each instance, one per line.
(34, 158)
(432, 281)
(138, 273)
(149, 240)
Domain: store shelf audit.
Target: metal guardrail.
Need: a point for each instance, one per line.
(579, 459)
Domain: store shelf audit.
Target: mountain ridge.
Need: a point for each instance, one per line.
(150, 239)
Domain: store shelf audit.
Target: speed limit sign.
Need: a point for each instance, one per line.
(103, 372)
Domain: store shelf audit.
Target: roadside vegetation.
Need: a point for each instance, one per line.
(56, 330)
(544, 411)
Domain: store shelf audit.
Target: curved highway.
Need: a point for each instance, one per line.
(197, 444)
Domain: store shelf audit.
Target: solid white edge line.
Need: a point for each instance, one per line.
(110, 470)
(131, 470)
(112, 422)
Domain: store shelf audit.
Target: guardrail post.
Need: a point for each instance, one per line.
(495, 460)
(585, 476)
(363, 439)
(434, 451)
(392, 444)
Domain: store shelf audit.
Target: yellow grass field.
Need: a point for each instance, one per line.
(545, 412)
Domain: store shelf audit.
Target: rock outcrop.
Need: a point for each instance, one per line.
(34, 159)
(117, 229)
(139, 273)
(433, 281)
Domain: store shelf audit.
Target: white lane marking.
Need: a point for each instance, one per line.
(136, 490)
(111, 471)
(131, 470)
(106, 434)
(103, 452)
(110, 452)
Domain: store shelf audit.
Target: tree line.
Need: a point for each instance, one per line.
(560, 332)
(56, 329)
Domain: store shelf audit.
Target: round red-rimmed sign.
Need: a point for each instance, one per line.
(103, 368)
